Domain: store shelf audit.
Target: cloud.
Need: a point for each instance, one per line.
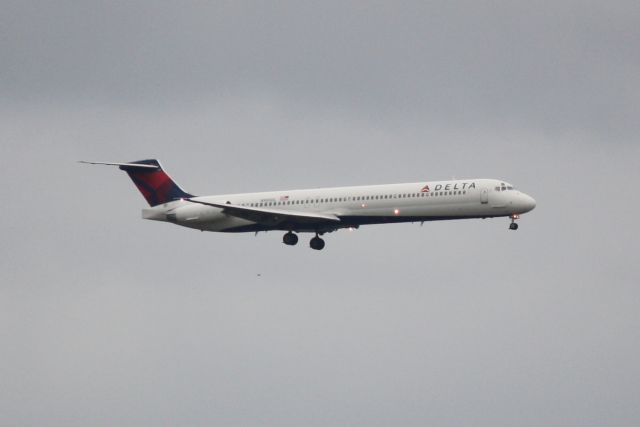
(107, 319)
(559, 67)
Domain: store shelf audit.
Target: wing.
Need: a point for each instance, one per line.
(271, 217)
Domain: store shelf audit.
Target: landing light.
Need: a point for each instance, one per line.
(396, 211)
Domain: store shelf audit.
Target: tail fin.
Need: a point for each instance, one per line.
(153, 182)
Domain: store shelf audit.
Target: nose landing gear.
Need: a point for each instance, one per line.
(514, 225)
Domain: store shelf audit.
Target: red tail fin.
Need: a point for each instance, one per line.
(153, 182)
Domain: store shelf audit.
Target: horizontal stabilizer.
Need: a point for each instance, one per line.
(155, 185)
(127, 165)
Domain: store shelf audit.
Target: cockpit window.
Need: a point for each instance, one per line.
(504, 187)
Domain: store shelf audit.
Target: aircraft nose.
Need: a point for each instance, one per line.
(528, 202)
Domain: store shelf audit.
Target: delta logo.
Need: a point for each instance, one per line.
(450, 186)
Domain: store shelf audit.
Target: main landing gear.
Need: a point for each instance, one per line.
(514, 225)
(316, 243)
(291, 239)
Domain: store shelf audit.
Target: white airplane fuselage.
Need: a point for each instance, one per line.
(323, 210)
(372, 204)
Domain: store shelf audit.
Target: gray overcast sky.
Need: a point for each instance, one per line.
(107, 319)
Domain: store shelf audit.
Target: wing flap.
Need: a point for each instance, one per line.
(270, 216)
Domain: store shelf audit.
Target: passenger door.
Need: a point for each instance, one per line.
(484, 196)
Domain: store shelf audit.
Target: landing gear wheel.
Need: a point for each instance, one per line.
(316, 243)
(290, 239)
(513, 225)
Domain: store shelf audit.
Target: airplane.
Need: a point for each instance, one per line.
(323, 210)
